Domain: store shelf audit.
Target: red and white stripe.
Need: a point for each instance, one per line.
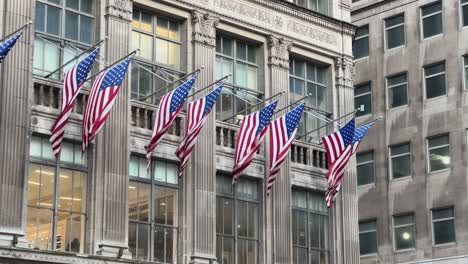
(97, 109)
(194, 124)
(280, 145)
(69, 94)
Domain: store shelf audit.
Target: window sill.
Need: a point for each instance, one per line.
(432, 37)
(395, 48)
(401, 178)
(450, 244)
(436, 98)
(405, 106)
(372, 255)
(361, 59)
(438, 171)
(367, 185)
(406, 250)
(363, 116)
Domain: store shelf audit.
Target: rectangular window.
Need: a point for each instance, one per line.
(395, 31)
(239, 58)
(309, 228)
(320, 6)
(400, 160)
(54, 45)
(443, 225)
(158, 39)
(363, 99)
(368, 237)
(397, 87)
(434, 76)
(464, 11)
(361, 43)
(439, 153)
(365, 168)
(153, 210)
(465, 70)
(404, 231)
(307, 78)
(71, 198)
(431, 18)
(237, 220)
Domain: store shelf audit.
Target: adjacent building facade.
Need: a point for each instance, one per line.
(411, 69)
(104, 206)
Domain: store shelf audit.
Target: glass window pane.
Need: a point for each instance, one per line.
(71, 25)
(444, 232)
(393, 21)
(86, 29)
(79, 191)
(241, 50)
(252, 215)
(34, 184)
(361, 48)
(171, 173)
(162, 28)
(367, 226)
(432, 25)
(431, 9)
(395, 37)
(435, 86)
(404, 237)
(65, 190)
(133, 200)
(174, 30)
(442, 213)
(299, 68)
(52, 53)
(66, 153)
(241, 74)
(251, 53)
(87, 6)
(40, 17)
(160, 171)
(227, 46)
(439, 158)
(72, 4)
(438, 141)
(321, 98)
(162, 51)
(322, 75)
(35, 147)
(52, 14)
(365, 173)
(132, 239)
(252, 78)
(401, 166)
(142, 242)
(133, 168)
(368, 243)
(364, 103)
(465, 15)
(47, 186)
(322, 6)
(44, 229)
(174, 55)
(397, 96)
(299, 226)
(314, 230)
(241, 211)
(143, 201)
(146, 46)
(142, 169)
(310, 72)
(300, 199)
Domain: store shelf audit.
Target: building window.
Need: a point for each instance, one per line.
(365, 168)
(363, 99)
(320, 6)
(361, 43)
(397, 86)
(464, 10)
(443, 224)
(404, 231)
(395, 31)
(54, 45)
(434, 76)
(465, 69)
(431, 16)
(306, 78)
(237, 219)
(240, 59)
(158, 39)
(368, 237)
(309, 228)
(153, 210)
(71, 198)
(439, 153)
(400, 159)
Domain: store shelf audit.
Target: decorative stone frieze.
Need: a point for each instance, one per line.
(204, 28)
(279, 51)
(119, 8)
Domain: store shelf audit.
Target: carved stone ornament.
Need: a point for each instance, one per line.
(120, 8)
(344, 72)
(279, 51)
(204, 28)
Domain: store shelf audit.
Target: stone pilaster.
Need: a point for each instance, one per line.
(278, 203)
(345, 210)
(111, 156)
(15, 105)
(203, 175)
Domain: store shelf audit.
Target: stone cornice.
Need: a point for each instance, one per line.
(204, 27)
(279, 51)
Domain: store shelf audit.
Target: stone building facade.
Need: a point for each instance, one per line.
(106, 207)
(411, 69)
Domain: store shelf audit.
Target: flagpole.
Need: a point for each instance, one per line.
(331, 122)
(16, 31)
(371, 121)
(209, 85)
(56, 197)
(77, 56)
(172, 83)
(293, 103)
(115, 63)
(252, 106)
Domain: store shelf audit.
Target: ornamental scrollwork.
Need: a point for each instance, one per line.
(204, 27)
(279, 51)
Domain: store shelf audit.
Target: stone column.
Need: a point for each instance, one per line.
(345, 210)
(203, 175)
(15, 113)
(280, 197)
(111, 156)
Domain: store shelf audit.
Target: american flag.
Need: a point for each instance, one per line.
(338, 162)
(101, 99)
(251, 133)
(169, 106)
(6, 46)
(282, 132)
(197, 114)
(72, 83)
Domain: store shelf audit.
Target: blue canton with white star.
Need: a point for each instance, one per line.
(360, 132)
(115, 75)
(6, 46)
(293, 117)
(347, 132)
(265, 116)
(85, 66)
(211, 98)
(180, 94)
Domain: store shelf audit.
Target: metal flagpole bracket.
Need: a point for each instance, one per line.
(293, 103)
(172, 83)
(16, 31)
(209, 85)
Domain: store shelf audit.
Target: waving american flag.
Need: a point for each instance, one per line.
(72, 83)
(169, 106)
(101, 99)
(251, 133)
(197, 113)
(6, 46)
(282, 132)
